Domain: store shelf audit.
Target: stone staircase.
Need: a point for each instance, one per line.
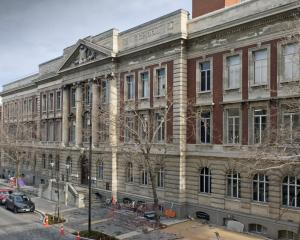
(96, 198)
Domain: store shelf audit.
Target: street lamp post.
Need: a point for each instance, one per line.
(52, 165)
(90, 160)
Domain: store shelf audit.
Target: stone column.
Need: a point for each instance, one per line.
(65, 116)
(95, 114)
(79, 112)
(113, 133)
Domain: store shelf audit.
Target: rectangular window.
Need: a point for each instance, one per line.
(260, 66)
(24, 107)
(104, 91)
(160, 127)
(205, 77)
(160, 82)
(72, 132)
(144, 85)
(29, 106)
(291, 61)
(58, 131)
(73, 97)
(143, 121)
(51, 131)
(204, 127)
(233, 126)
(260, 124)
(44, 131)
(129, 129)
(291, 123)
(160, 178)
(233, 72)
(51, 101)
(58, 100)
(130, 87)
(144, 176)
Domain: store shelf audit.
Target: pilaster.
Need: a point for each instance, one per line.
(79, 112)
(65, 114)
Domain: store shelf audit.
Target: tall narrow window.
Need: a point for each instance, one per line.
(204, 128)
(160, 82)
(205, 180)
(51, 102)
(129, 172)
(291, 123)
(291, 192)
(29, 106)
(160, 127)
(50, 131)
(72, 132)
(88, 95)
(205, 77)
(144, 85)
(130, 87)
(101, 170)
(260, 124)
(160, 178)
(260, 65)
(44, 161)
(291, 61)
(58, 100)
(143, 127)
(233, 184)
(260, 188)
(144, 177)
(129, 129)
(44, 103)
(233, 126)
(233, 71)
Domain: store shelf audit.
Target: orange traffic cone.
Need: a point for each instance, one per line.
(45, 222)
(62, 231)
(78, 236)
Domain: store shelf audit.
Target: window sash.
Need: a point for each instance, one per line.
(160, 82)
(234, 72)
(145, 85)
(233, 126)
(130, 87)
(205, 77)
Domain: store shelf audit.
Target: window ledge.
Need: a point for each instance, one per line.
(285, 82)
(143, 98)
(161, 96)
(130, 184)
(294, 209)
(202, 194)
(204, 92)
(233, 199)
(263, 85)
(265, 204)
(228, 90)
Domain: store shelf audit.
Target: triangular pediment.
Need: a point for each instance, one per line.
(85, 52)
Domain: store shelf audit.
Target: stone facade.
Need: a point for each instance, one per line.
(56, 103)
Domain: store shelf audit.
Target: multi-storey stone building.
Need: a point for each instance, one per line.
(228, 71)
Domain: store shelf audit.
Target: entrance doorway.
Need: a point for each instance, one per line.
(84, 171)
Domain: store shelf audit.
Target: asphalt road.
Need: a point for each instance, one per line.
(26, 226)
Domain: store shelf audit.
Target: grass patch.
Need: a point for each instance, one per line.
(95, 235)
(54, 219)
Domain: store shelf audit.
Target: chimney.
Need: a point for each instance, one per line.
(201, 7)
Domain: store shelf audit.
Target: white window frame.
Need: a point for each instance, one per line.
(226, 71)
(130, 77)
(100, 170)
(160, 88)
(230, 189)
(144, 177)
(260, 124)
(291, 126)
(160, 178)
(58, 100)
(160, 127)
(129, 173)
(235, 118)
(142, 91)
(51, 102)
(203, 176)
(206, 120)
(44, 102)
(290, 185)
(281, 62)
(199, 75)
(265, 182)
(129, 128)
(251, 64)
(143, 121)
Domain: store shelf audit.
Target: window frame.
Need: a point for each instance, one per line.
(226, 77)
(198, 75)
(160, 127)
(260, 124)
(199, 126)
(156, 89)
(226, 125)
(129, 173)
(126, 78)
(289, 185)
(141, 85)
(266, 186)
(100, 170)
(203, 177)
(160, 178)
(230, 187)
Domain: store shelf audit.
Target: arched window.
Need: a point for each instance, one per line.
(291, 191)
(286, 235)
(234, 184)
(205, 180)
(129, 172)
(101, 170)
(160, 176)
(260, 188)
(257, 228)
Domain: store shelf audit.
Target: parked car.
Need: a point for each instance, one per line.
(4, 193)
(19, 202)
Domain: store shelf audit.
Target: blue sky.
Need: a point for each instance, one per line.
(35, 31)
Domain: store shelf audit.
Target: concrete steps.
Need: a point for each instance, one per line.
(96, 200)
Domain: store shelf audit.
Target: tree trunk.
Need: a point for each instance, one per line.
(155, 198)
